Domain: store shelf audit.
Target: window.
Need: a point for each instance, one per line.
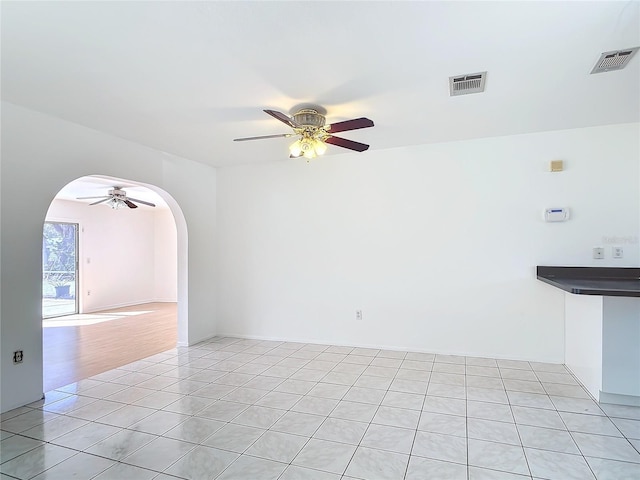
(59, 269)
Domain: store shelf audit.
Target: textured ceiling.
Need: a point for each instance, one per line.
(188, 77)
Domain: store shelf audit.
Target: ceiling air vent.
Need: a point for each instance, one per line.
(615, 60)
(465, 84)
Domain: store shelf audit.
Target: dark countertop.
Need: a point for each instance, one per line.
(606, 281)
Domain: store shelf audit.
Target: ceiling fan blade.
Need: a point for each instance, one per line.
(354, 124)
(282, 117)
(87, 198)
(100, 201)
(295, 156)
(344, 143)
(130, 204)
(141, 201)
(264, 136)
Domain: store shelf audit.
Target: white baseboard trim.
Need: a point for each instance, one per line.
(125, 304)
(618, 399)
(378, 347)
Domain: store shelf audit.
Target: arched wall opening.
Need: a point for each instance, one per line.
(41, 154)
(125, 287)
(182, 249)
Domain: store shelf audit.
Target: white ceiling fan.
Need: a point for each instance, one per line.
(116, 199)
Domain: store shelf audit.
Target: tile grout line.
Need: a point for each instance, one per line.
(204, 354)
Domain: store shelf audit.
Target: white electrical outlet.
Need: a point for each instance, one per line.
(598, 252)
(617, 252)
(18, 356)
(358, 314)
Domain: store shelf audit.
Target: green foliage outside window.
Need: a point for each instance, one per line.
(59, 253)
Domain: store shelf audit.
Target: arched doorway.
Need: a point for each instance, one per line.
(128, 282)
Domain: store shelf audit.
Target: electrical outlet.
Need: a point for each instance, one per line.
(358, 314)
(18, 356)
(88, 293)
(598, 252)
(617, 252)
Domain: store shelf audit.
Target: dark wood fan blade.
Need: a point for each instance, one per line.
(344, 143)
(88, 198)
(130, 204)
(282, 117)
(264, 136)
(354, 124)
(143, 202)
(100, 201)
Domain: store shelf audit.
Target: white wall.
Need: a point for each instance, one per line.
(165, 262)
(41, 154)
(127, 257)
(583, 339)
(621, 347)
(437, 244)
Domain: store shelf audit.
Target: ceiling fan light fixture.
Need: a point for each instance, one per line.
(308, 147)
(116, 203)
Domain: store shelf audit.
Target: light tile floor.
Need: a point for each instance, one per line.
(246, 409)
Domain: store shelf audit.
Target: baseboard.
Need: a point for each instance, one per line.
(126, 304)
(381, 347)
(618, 399)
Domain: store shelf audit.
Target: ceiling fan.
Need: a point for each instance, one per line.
(309, 125)
(116, 199)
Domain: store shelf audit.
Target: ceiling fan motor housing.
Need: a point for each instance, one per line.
(308, 117)
(118, 192)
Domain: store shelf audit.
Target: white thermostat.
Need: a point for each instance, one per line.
(558, 214)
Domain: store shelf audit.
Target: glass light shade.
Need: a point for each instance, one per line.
(116, 203)
(320, 147)
(296, 148)
(307, 146)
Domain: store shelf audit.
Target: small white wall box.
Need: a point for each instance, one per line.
(557, 214)
(556, 166)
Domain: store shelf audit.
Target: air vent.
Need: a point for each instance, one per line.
(465, 84)
(616, 60)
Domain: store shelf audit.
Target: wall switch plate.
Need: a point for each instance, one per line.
(598, 252)
(617, 252)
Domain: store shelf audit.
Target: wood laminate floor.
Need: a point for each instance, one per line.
(80, 346)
